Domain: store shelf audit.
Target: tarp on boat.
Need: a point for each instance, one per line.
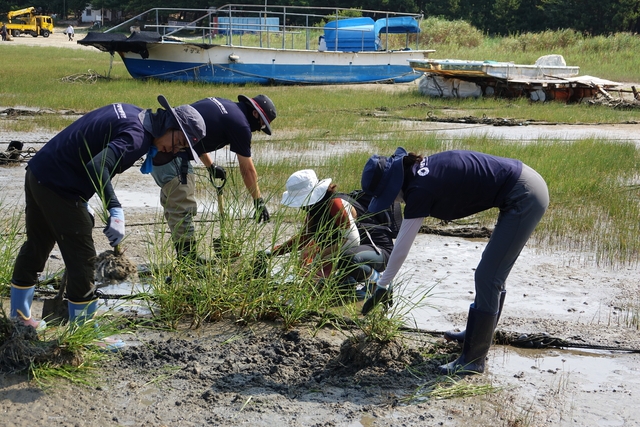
(350, 35)
(363, 34)
(118, 42)
(399, 25)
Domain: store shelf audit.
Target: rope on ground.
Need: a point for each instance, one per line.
(15, 157)
(90, 77)
(535, 341)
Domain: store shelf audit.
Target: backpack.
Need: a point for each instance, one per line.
(389, 219)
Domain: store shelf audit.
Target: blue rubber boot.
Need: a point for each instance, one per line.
(477, 341)
(21, 300)
(366, 289)
(81, 312)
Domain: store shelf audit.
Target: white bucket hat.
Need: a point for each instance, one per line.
(304, 189)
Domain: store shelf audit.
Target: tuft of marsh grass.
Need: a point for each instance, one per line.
(450, 388)
(10, 241)
(69, 352)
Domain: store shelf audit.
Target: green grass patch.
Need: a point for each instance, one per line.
(593, 183)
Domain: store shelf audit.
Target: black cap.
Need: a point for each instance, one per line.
(265, 108)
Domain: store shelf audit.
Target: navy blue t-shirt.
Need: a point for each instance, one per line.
(61, 163)
(456, 184)
(226, 125)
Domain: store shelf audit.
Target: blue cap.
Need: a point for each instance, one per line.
(382, 178)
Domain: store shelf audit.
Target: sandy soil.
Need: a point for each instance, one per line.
(228, 375)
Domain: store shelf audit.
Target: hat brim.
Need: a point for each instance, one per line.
(267, 124)
(165, 104)
(306, 198)
(392, 179)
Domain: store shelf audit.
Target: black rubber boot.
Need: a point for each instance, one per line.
(187, 253)
(478, 340)
(459, 336)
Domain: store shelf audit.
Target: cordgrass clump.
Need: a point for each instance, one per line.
(112, 266)
(21, 348)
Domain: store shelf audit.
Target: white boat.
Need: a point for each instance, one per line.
(240, 44)
(548, 78)
(544, 68)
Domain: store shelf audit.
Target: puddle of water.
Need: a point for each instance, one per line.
(121, 306)
(578, 387)
(562, 387)
(617, 132)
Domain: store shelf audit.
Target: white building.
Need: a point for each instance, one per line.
(99, 15)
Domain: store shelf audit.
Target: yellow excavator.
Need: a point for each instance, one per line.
(29, 21)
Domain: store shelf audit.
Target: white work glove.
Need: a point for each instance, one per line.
(115, 229)
(92, 213)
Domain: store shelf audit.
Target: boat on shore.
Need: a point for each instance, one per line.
(260, 44)
(547, 79)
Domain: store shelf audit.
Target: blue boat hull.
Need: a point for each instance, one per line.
(269, 74)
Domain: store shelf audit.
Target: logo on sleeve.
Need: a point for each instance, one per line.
(119, 111)
(219, 104)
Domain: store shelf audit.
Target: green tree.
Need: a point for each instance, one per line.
(627, 16)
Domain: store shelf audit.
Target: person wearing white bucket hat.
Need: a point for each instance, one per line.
(67, 171)
(329, 228)
(345, 241)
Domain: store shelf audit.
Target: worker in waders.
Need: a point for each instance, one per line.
(228, 123)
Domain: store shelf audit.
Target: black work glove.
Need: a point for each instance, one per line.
(216, 172)
(380, 296)
(262, 214)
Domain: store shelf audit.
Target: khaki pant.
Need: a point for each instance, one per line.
(180, 206)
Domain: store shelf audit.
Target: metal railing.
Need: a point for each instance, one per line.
(292, 20)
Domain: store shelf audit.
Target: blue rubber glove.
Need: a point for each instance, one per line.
(147, 166)
(115, 229)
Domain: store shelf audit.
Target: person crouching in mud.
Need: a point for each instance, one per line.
(452, 185)
(69, 169)
(330, 240)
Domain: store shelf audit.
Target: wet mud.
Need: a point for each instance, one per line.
(225, 374)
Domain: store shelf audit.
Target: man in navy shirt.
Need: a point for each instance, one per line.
(228, 123)
(73, 166)
(448, 186)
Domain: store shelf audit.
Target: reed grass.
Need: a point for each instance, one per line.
(10, 241)
(594, 203)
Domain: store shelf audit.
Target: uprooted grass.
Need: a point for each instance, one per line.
(68, 352)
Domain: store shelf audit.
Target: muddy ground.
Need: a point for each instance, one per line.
(225, 374)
